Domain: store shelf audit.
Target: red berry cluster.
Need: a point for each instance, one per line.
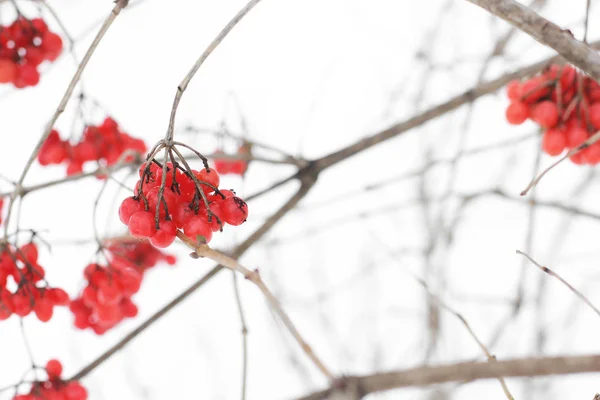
(104, 144)
(235, 167)
(181, 206)
(565, 103)
(54, 388)
(106, 299)
(24, 45)
(19, 268)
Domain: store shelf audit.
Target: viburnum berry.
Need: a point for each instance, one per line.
(165, 234)
(517, 113)
(106, 299)
(8, 71)
(142, 225)
(198, 229)
(565, 103)
(545, 113)
(129, 206)
(234, 210)
(554, 141)
(54, 368)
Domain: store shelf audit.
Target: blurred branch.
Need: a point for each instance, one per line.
(545, 32)
(465, 371)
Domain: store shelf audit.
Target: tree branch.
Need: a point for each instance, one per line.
(465, 371)
(545, 32)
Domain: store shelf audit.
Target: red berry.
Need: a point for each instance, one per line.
(165, 235)
(58, 297)
(517, 112)
(182, 214)
(198, 229)
(54, 369)
(234, 211)
(209, 176)
(554, 141)
(576, 136)
(514, 90)
(75, 391)
(52, 45)
(594, 111)
(168, 196)
(43, 309)
(142, 225)
(8, 71)
(545, 114)
(129, 206)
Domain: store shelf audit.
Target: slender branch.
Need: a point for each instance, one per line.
(464, 371)
(231, 263)
(591, 140)
(211, 47)
(564, 282)
(120, 4)
(240, 307)
(545, 32)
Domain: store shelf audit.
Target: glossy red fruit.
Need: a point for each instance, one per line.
(514, 90)
(129, 206)
(182, 214)
(52, 45)
(576, 136)
(210, 176)
(534, 89)
(198, 230)
(8, 71)
(168, 196)
(592, 154)
(234, 210)
(545, 113)
(517, 112)
(75, 391)
(54, 369)
(594, 112)
(141, 224)
(554, 141)
(58, 297)
(27, 75)
(165, 235)
(43, 309)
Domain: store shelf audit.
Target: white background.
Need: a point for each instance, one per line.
(311, 77)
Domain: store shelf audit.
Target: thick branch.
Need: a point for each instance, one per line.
(545, 32)
(466, 371)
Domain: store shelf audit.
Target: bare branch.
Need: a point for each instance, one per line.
(465, 371)
(564, 282)
(545, 32)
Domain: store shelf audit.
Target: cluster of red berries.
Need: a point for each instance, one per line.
(182, 205)
(235, 167)
(106, 299)
(24, 45)
(19, 268)
(54, 388)
(565, 103)
(104, 144)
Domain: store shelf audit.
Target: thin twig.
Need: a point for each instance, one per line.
(591, 140)
(567, 284)
(120, 4)
(211, 47)
(231, 263)
(240, 307)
